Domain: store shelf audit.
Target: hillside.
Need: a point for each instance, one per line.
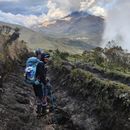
(79, 26)
(17, 100)
(96, 97)
(74, 33)
(38, 40)
(90, 95)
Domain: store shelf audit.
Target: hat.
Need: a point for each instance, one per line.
(44, 56)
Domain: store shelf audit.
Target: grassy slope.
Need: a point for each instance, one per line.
(101, 98)
(38, 40)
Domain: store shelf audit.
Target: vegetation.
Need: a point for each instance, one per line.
(108, 100)
(106, 97)
(58, 57)
(112, 59)
(110, 63)
(86, 76)
(11, 52)
(6, 30)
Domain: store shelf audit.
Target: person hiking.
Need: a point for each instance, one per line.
(49, 93)
(40, 90)
(35, 74)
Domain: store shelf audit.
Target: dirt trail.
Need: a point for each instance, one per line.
(17, 108)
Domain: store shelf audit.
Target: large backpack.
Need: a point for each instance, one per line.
(30, 70)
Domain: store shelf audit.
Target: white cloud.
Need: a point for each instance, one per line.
(9, 0)
(28, 12)
(24, 7)
(23, 12)
(98, 11)
(27, 21)
(59, 9)
(56, 10)
(118, 23)
(95, 7)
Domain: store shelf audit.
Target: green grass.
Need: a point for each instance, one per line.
(88, 58)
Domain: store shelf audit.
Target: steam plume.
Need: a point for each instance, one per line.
(118, 24)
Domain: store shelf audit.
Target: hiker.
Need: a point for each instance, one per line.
(48, 89)
(41, 89)
(35, 73)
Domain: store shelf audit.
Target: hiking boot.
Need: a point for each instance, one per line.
(39, 109)
(43, 110)
(51, 109)
(39, 116)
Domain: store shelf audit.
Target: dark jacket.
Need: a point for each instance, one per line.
(41, 72)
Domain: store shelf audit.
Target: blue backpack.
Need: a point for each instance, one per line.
(30, 70)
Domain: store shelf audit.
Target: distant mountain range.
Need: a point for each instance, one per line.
(77, 26)
(74, 33)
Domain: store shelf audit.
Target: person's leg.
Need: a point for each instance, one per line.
(52, 98)
(35, 90)
(44, 95)
(39, 95)
(49, 88)
(39, 106)
(44, 99)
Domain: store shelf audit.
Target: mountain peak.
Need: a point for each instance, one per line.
(78, 14)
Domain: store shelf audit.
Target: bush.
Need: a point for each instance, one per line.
(62, 55)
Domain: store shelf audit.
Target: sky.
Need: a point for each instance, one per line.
(23, 12)
(31, 13)
(34, 12)
(117, 24)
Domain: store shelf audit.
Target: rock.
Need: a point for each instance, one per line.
(24, 117)
(1, 81)
(1, 90)
(49, 127)
(18, 108)
(22, 100)
(15, 124)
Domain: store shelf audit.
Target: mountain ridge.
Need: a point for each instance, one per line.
(77, 25)
(39, 40)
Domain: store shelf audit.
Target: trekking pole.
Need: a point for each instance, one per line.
(53, 102)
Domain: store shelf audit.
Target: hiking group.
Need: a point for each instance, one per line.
(35, 74)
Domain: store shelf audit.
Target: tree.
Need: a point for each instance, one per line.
(15, 35)
(98, 55)
(8, 29)
(0, 30)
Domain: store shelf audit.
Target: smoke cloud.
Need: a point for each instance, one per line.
(37, 12)
(115, 12)
(118, 24)
(58, 9)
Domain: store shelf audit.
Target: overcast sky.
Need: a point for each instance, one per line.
(24, 7)
(34, 12)
(23, 12)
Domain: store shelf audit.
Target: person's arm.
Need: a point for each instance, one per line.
(40, 73)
